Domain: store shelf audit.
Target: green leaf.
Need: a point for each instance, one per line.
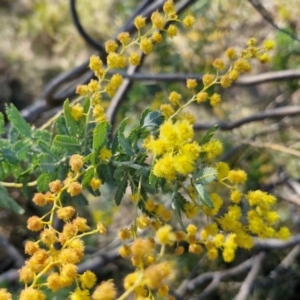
(203, 196)
(21, 149)
(120, 130)
(9, 203)
(70, 122)
(177, 205)
(47, 163)
(121, 190)
(61, 126)
(209, 134)
(13, 135)
(148, 188)
(88, 175)
(144, 114)
(9, 156)
(2, 124)
(80, 200)
(106, 173)
(125, 145)
(43, 182)
(24, 179)
(205, 176)
(44, 135)
(46, 148)
(67, 143)
(99, 135)
(154, 119)
(18, 121)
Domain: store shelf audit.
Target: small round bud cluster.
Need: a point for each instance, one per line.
(34, 223)
(189, 21)
(134, 59)
(76, 162)
(95, 183)
(77, 111)
(157, 37)
(65, 213)
(191, 83)
(158, 20)
(175, 98)
(74, 188)
(116, 61)
(39, 199)
(140, 22)
(146, 45)
(172, 31)
(55, 186)
(208, 79)
(82, 90)
(111, 46)
(124, 38)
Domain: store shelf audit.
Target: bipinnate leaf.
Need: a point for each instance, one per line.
(70, 122)
(18, 121)
(67, 143)
(124, 142)
(121, 189)
(2, 124)
(177, 205)
(21, 148)
(88, 175)
(47, 163)
(8, 202)
(153, 119)
(99, 135)
(209, 134)
(205, 176)
(203, 196)
(9, 156)
(43, 182)
(120, 130)
(61, 126)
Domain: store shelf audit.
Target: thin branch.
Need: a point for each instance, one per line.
(247, 284)
(11, 251)
(272, 113)
(267, 16)
(272, 146)
(82, 32)
(216, 277)
(245, 80)
(272, 244)
(287, 261)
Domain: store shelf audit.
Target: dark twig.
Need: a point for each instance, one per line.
(267, 16)
(123, 89)
(286, 262)
(216, 277)
(245, 80)
(12, 252)
(83, 33)
(270, 244)
(272, 113)
(248, 282)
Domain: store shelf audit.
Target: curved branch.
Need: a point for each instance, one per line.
(271, 244)
(11, 251)
(216, 277)
(248, 282)
(267, 16)
(245, 80)
(82, 32)
(272, 113)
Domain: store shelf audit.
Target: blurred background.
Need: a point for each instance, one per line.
(39, 41)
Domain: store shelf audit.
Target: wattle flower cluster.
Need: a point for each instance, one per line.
(174, 150)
